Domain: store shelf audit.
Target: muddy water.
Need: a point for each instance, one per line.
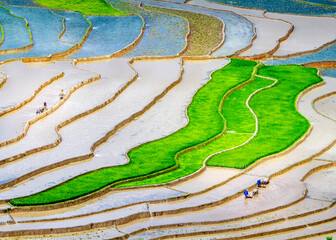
(321, 185)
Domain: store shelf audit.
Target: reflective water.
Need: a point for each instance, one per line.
(238, 30)
(16, 33)
(45, 28)
(321, 185)
(109, 35)
(75, 26)
(283, 6)
(29, 3)
(326, 54)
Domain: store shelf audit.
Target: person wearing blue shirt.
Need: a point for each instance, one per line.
(247, 194)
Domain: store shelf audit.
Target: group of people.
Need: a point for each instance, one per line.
(44, 108)
(260, 183)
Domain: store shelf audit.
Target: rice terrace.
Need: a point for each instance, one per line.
(167, 119)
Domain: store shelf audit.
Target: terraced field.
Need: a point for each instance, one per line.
(148, 119)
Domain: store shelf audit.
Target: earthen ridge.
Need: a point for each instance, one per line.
(251, 41)
(188, 35)
(2, 35)
(255, 9)
(64, 27)
(35, 208)
(305, 52)
(320, 64)
(322, 98)
(259, 213)
(180, 54)
(3, 82)
(297, 143)
(176, 3)
(251, 215)
(29, 123)
(127, 220)
(94, 146)
(221, 43)
(102, 192)
(39, 89)
(289, 33)
(234, 219)
(77, 46)
(20, 105)
(276, 48)
(201, 170)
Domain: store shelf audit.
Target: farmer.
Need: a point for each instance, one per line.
(247, 194)
(61, 95)
(259, 183)
(255, 191)
(265, 181)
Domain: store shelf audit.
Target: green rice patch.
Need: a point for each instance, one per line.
(280, 124)
(205, 123)
(192, 161)
(86, 7)
(235, 110)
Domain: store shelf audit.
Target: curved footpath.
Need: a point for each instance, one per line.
(325, 106)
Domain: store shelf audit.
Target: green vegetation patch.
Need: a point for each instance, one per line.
(235, 107)
(205, 31)
(86, 7)
(205, 123)
(280, 124)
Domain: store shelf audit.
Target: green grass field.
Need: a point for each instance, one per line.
(280, 124)
(183, 152)
(205, 123)
(86, 7)
(235, 107)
